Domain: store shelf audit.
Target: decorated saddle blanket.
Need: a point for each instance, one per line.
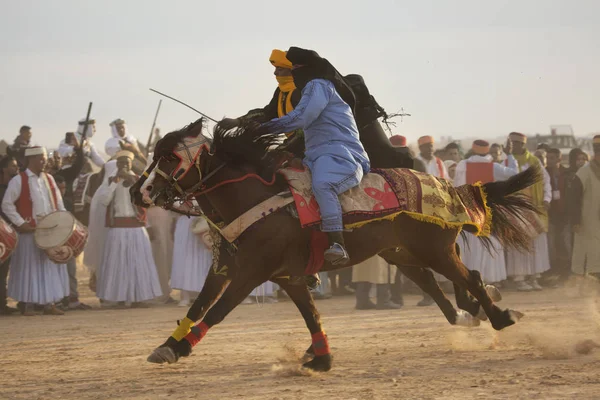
(384, 194)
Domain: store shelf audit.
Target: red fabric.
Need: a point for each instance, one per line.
(480, 172)
(318, 244)
(197, 333)
(440, 166)
(320, 344)
(24, 203)
(387, 202)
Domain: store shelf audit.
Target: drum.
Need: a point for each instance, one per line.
(61, 235)
(8, 240)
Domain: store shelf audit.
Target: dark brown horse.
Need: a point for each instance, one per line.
(227, 173)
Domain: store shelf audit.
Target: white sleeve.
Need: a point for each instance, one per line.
(547, 186)
(502, 173)
(460, 176)
(95, 156)
(108, 194)
(13, 191)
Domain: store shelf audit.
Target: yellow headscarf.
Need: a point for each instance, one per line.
(285, 83)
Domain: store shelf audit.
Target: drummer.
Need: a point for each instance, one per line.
(30, 196)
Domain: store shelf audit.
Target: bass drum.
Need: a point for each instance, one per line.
(61, 236)
(8, 240)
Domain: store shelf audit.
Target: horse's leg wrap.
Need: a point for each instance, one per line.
(197, 332)
(320, 344)
(183, 329)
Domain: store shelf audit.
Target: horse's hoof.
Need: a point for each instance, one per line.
(493, 293)
(506, 318)
(463, 318)
(309, 353)
(515, 315)
(163, 355)
(320, 363)
(481, 315)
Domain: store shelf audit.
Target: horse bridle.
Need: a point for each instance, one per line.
(173, 190)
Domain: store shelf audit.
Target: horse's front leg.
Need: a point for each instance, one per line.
(233, 295)
(212, 290)
(319, 349)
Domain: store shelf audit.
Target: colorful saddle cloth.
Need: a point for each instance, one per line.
(384, 194)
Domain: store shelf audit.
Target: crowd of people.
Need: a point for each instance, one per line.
(137, 256)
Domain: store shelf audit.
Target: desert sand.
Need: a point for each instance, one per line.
(255, 353)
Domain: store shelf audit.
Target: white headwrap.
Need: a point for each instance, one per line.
(90, 128)
(112, 145)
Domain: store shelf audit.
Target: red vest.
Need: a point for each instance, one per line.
(480, 172)
(25, 204)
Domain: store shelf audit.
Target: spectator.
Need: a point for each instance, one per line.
(586, 216)
(451, 167)
(526, 268)
(374, 271)
(433, 165)
(17, 150)
(496, 153)
(452, 152)
(559, 229)
(35, 279)
(8, 169)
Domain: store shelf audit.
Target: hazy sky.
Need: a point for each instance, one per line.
(462, 68)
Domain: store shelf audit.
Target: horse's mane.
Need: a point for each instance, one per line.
(164, 147)
(247, 144)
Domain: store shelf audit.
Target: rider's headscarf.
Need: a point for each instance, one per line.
(308, 65)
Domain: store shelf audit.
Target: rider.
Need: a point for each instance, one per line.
(285, 98)
(334, 153)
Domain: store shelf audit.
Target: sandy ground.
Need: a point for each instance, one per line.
(411, 353)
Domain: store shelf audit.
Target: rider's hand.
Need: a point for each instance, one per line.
(229, 123)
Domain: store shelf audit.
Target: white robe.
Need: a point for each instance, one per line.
(97, 229)
(67, 150)
(34, 278)
(474, 255)
(519, 264)
(127, 272)
(432, 167)
(191, 258)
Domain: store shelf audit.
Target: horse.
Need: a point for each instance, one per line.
(276, 246)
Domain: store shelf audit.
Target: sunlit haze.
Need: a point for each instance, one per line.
(461, 68)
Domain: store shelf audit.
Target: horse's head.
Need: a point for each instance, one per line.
(177, 168)
(184, 160)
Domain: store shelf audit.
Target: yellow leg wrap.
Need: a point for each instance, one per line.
(183, 329)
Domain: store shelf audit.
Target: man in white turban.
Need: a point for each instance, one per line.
(67, 149)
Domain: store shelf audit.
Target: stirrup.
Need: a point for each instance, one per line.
(336, 255)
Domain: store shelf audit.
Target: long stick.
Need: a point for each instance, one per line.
(188, 106)
(85, 124)
(152, 129)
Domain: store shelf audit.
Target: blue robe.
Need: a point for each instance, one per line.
(334, 153)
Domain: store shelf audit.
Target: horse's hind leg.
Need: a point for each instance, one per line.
(424, 278)
(449, 264)
(319, 348)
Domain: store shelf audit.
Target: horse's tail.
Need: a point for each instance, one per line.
(508, 206)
